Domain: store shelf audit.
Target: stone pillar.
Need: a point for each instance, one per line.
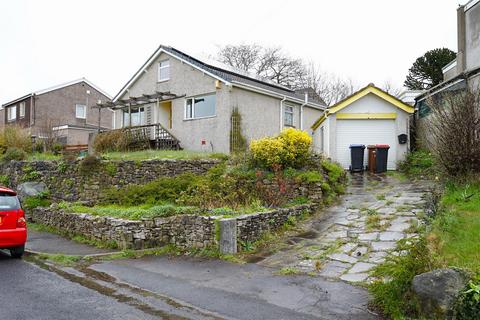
(228, 236)
(91, 140)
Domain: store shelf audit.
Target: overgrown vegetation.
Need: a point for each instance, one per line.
(451, 238)
(418, 164)
(41, 200)
(453, 126)
(15, 137)
(392, 291)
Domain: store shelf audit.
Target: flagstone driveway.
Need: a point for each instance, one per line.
(347, 240)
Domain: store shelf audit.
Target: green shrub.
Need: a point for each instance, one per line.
(4, 180)
(14, 154)
(418, 163)
(34, 202)
(291, 148)
(311, 176)
(57, 148)
(468, 303)
(62, 167)
(334, 172)
(41, 200)
(163, 190)
(89, 164)
(113, 141)
(15, 137)
(111, 168)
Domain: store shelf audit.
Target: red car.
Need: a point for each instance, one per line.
(13, 226)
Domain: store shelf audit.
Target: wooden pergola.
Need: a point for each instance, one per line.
(134, 102)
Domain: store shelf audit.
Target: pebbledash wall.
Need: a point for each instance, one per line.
(66, 180)
(184, 231)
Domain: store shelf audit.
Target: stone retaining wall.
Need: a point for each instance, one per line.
(184, 231)
(250, 227)
(67, 180)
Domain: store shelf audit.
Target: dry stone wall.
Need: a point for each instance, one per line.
(67, 180)
(184, 231)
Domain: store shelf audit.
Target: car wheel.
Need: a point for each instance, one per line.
(17, 252)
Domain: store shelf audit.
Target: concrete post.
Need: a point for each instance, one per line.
(228, 236)
(91, 140)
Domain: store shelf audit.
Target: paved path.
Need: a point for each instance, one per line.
(45, 242)
(225, 290)
(346, 241)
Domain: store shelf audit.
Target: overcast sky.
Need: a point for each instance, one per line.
(44, 43)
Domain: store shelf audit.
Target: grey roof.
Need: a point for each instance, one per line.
(228, 75)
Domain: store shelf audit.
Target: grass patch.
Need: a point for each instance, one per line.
(288, 271)
(455, 234)
(162, 154)
(62, 259)
(130, 213)
(43, 156)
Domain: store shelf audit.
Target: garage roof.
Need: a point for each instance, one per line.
(371, 88)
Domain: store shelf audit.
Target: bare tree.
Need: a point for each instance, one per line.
(274, 64)
(328, 86)
(454, 127)
(270, 63)
(391, 89)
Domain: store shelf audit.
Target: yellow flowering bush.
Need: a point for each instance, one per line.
(290, 149)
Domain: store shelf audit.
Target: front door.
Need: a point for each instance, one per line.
(165, 114)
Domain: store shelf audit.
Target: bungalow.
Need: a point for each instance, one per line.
(369, 116)
(207, 107)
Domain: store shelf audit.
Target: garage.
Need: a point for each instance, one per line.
(370, 116)
(367, 132)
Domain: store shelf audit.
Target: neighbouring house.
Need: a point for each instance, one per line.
(175, 96)
(66, 113)
(369, 116)
(461, 73)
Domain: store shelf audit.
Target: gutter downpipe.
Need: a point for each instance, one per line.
(281, 112)
(301, 110)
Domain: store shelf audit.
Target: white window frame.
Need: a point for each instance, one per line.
(12, 113)
(288, 109)
(193, 117)
(84, 111)
(21, 111)
(160, 68)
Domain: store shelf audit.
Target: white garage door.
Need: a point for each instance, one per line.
(365, 132)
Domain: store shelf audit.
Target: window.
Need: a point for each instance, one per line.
(138, 117)
(80, 111)
(12, 113)
(22, 110)
(200, 107)
(164, 70)
(288, 116)
(8, 202)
